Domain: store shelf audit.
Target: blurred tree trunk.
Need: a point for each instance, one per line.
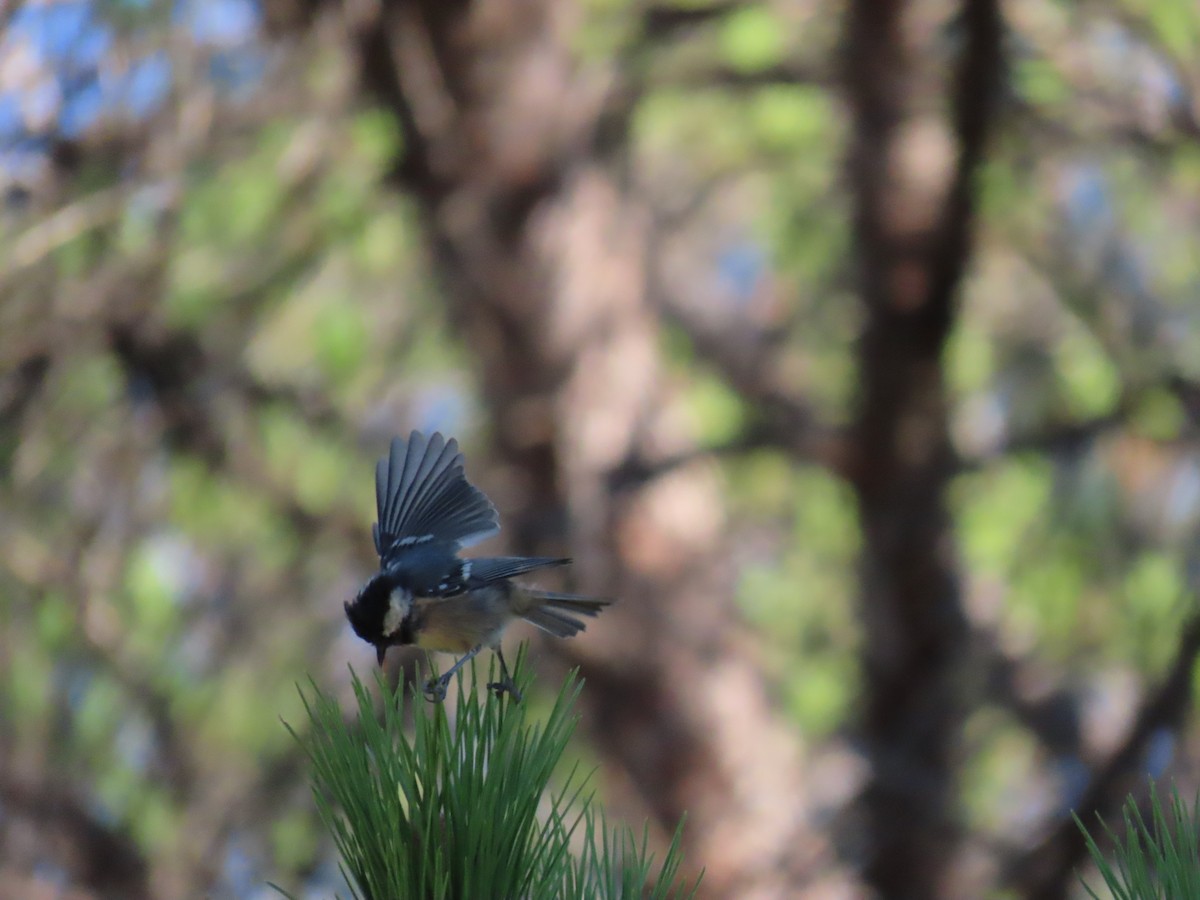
(543, 249)
(912, 173)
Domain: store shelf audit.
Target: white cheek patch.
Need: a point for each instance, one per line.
(398, 605)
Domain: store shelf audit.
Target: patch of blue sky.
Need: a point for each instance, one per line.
(12, 123)
(741, 266)
(135, 743)
(219, 23)
(1074, 777)
(1087, 203)
(89, 49)
(71, 40)
(1124, 269)
(1184, 498)
(238, 71)
(148, 203)
(176, 565)
(21, 159)
(146, 85)
(70, 43)
(40, 106)
(52, 875)
(75, 681)
(58, 31)
(240, 871)
(324, 881)
(1160, 750)
(81, 108)
(442, 407)
(103, 812)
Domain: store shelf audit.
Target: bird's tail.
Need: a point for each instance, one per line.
(558, 614)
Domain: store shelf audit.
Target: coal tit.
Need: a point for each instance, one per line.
(424, 594)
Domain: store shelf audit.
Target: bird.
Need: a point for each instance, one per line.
(427, 596)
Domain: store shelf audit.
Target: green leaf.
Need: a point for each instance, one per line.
(1090, 380)
(717, 409)
(294, 840)
(56, 621)
(341, 339)
(1177, 26)
(789, 117)
(151, 595)
(1159, 415)
(376, 138)
(752, 39)
(1041, 83)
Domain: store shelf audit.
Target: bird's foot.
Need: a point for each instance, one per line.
(507, 686)
(435, 689)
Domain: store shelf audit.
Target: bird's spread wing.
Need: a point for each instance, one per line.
(423, 496)
(478, 572)
(433, 573)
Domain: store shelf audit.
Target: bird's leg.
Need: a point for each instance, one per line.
(506, 683)
(435, 688)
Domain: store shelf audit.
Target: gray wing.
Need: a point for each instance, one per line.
(482, 571)
(422, 495)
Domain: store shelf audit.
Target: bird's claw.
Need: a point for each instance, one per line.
(435, 690)
(507, 686)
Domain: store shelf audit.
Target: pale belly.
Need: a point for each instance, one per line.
(461, 623)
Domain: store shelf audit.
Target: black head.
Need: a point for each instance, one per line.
(378, 613)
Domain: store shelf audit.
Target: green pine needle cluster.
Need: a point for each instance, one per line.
(460, 802)
(1155, 860)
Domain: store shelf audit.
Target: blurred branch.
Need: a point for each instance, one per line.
(1138, 26)
(172, 364)
(380, 67)
(96, 210)
(778, 418)
(1075, 438)
(662, 21)
(788, 72)
(20, 388)
(1068, 437)
(1045, 872)
(911, 265)
(1187, 392)
(1104, 111)
(1054, 439)
(1047, 710)
(97, 856)
(178, 369)
(635, 472)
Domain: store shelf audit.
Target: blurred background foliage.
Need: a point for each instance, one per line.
(220, 295)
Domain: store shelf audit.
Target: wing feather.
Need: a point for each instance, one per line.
(435, 467)
(404, 462)
(496, 568)
(422, 494)
(440, 467)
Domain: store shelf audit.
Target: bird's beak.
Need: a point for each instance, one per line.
(380, 653)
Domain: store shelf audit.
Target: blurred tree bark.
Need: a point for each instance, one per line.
(912, 176)
(543, 248)
(515, 147)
